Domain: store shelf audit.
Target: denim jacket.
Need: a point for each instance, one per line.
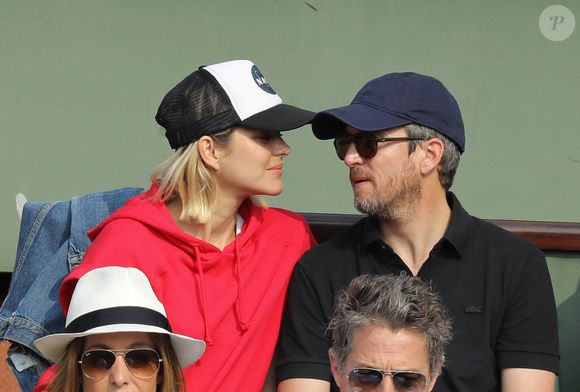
(51, 242)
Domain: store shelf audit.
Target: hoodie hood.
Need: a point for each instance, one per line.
(204, 256)
(156, 217)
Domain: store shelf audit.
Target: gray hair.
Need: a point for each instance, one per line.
(397, 302)
(451, 154)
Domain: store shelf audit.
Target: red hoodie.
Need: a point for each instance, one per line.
(233, 299)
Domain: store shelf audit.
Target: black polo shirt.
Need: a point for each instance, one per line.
(495, 285)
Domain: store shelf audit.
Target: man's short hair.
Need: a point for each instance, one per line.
(393, 301)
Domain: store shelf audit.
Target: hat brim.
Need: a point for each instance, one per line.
(188, 350)
(281, 117)
(330, 123)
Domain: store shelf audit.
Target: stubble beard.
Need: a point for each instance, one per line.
(396, 198)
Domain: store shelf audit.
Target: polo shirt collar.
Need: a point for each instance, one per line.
(456, 234)
(371, 233)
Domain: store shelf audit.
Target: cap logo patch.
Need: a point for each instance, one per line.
(261, 81)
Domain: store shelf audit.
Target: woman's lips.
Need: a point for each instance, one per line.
(276, 169)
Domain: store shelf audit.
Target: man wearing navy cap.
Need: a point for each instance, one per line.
(401, 139)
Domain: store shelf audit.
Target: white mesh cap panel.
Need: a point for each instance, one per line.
(248, 90)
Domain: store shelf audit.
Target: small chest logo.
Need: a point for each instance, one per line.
(261, 81)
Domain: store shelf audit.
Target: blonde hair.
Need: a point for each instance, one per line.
(186, 177)
(69, 376)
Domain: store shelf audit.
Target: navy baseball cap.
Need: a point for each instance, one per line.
(395, 100)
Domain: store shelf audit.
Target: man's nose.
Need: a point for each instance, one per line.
(387, 385)
(352, 157)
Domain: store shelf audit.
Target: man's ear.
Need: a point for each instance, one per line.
(208, 151)
(433, 377)
(334, 366)
(432, 154)
(432, 382)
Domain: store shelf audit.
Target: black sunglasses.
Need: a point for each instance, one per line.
(366, 143)
(366, 379)
(142, 362)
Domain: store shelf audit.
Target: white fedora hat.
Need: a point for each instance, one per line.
(117, 299)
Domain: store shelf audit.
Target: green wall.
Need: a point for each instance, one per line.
(81, 81)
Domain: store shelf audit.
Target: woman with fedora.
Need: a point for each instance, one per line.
(117, 337)
(218, 259)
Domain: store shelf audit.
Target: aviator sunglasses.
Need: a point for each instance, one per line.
(366, 379)
(142, 362)
(366, 143)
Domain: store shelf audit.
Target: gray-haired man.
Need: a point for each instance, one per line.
(388, 333)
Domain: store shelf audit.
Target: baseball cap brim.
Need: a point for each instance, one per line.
(281, 117)
(330, 123)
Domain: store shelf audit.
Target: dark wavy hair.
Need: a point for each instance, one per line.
(397, 302)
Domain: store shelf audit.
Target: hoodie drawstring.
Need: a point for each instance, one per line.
(207, 338)
(243, 324)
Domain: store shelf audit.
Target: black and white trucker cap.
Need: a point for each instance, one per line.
(219, 96)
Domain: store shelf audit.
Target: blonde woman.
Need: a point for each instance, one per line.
(219, 261)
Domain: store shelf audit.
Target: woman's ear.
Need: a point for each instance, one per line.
(433, 153)
(207, 149)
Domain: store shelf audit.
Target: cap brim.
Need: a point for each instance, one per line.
(281, 117)
(188, 350)
(330, 123)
